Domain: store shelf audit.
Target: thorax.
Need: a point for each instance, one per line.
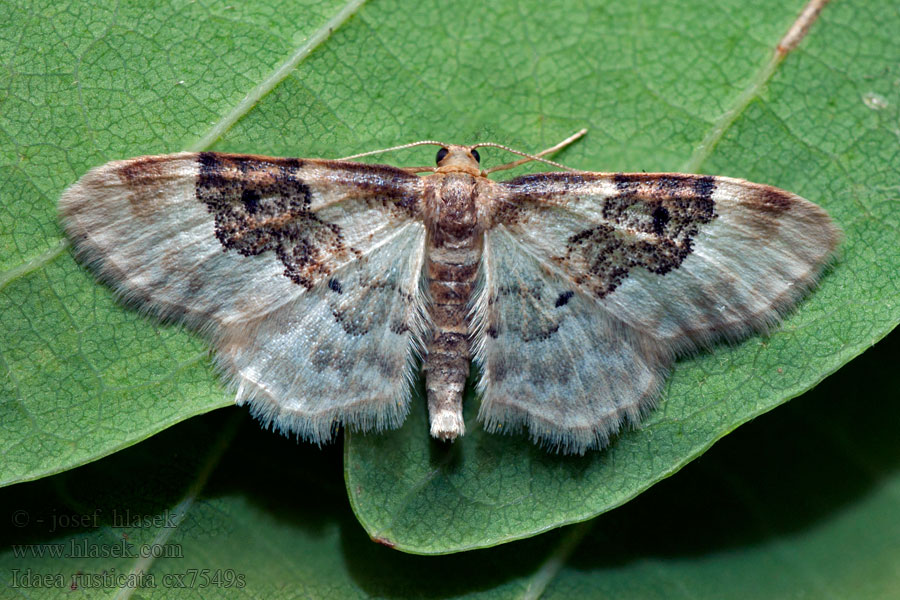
(452, 209)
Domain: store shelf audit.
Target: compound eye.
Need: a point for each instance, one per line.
(441, 154)
(475, 155)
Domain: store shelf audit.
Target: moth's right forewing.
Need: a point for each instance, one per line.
(686, 259)
(759, 254)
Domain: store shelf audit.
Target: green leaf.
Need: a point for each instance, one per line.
(802, 502)
(661, 86)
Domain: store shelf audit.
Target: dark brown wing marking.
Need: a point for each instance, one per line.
(262, 204)
(650, 222)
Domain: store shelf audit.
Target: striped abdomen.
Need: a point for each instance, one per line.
(453, 254)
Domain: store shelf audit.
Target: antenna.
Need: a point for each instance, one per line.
(531, 157)
(503, 167)
(392, 148)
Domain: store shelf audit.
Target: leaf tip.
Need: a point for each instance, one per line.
(383, 541)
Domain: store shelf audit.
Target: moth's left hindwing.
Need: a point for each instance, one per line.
(593, 282)
(304, 273)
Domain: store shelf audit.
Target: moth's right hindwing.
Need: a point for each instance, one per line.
(304, 273)
(550, 360)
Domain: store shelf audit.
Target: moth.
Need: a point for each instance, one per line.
(322, 283)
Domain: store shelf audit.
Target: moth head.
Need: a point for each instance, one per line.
(458, 159)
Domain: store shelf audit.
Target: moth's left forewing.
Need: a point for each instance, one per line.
(304, 273)
(174, 232)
